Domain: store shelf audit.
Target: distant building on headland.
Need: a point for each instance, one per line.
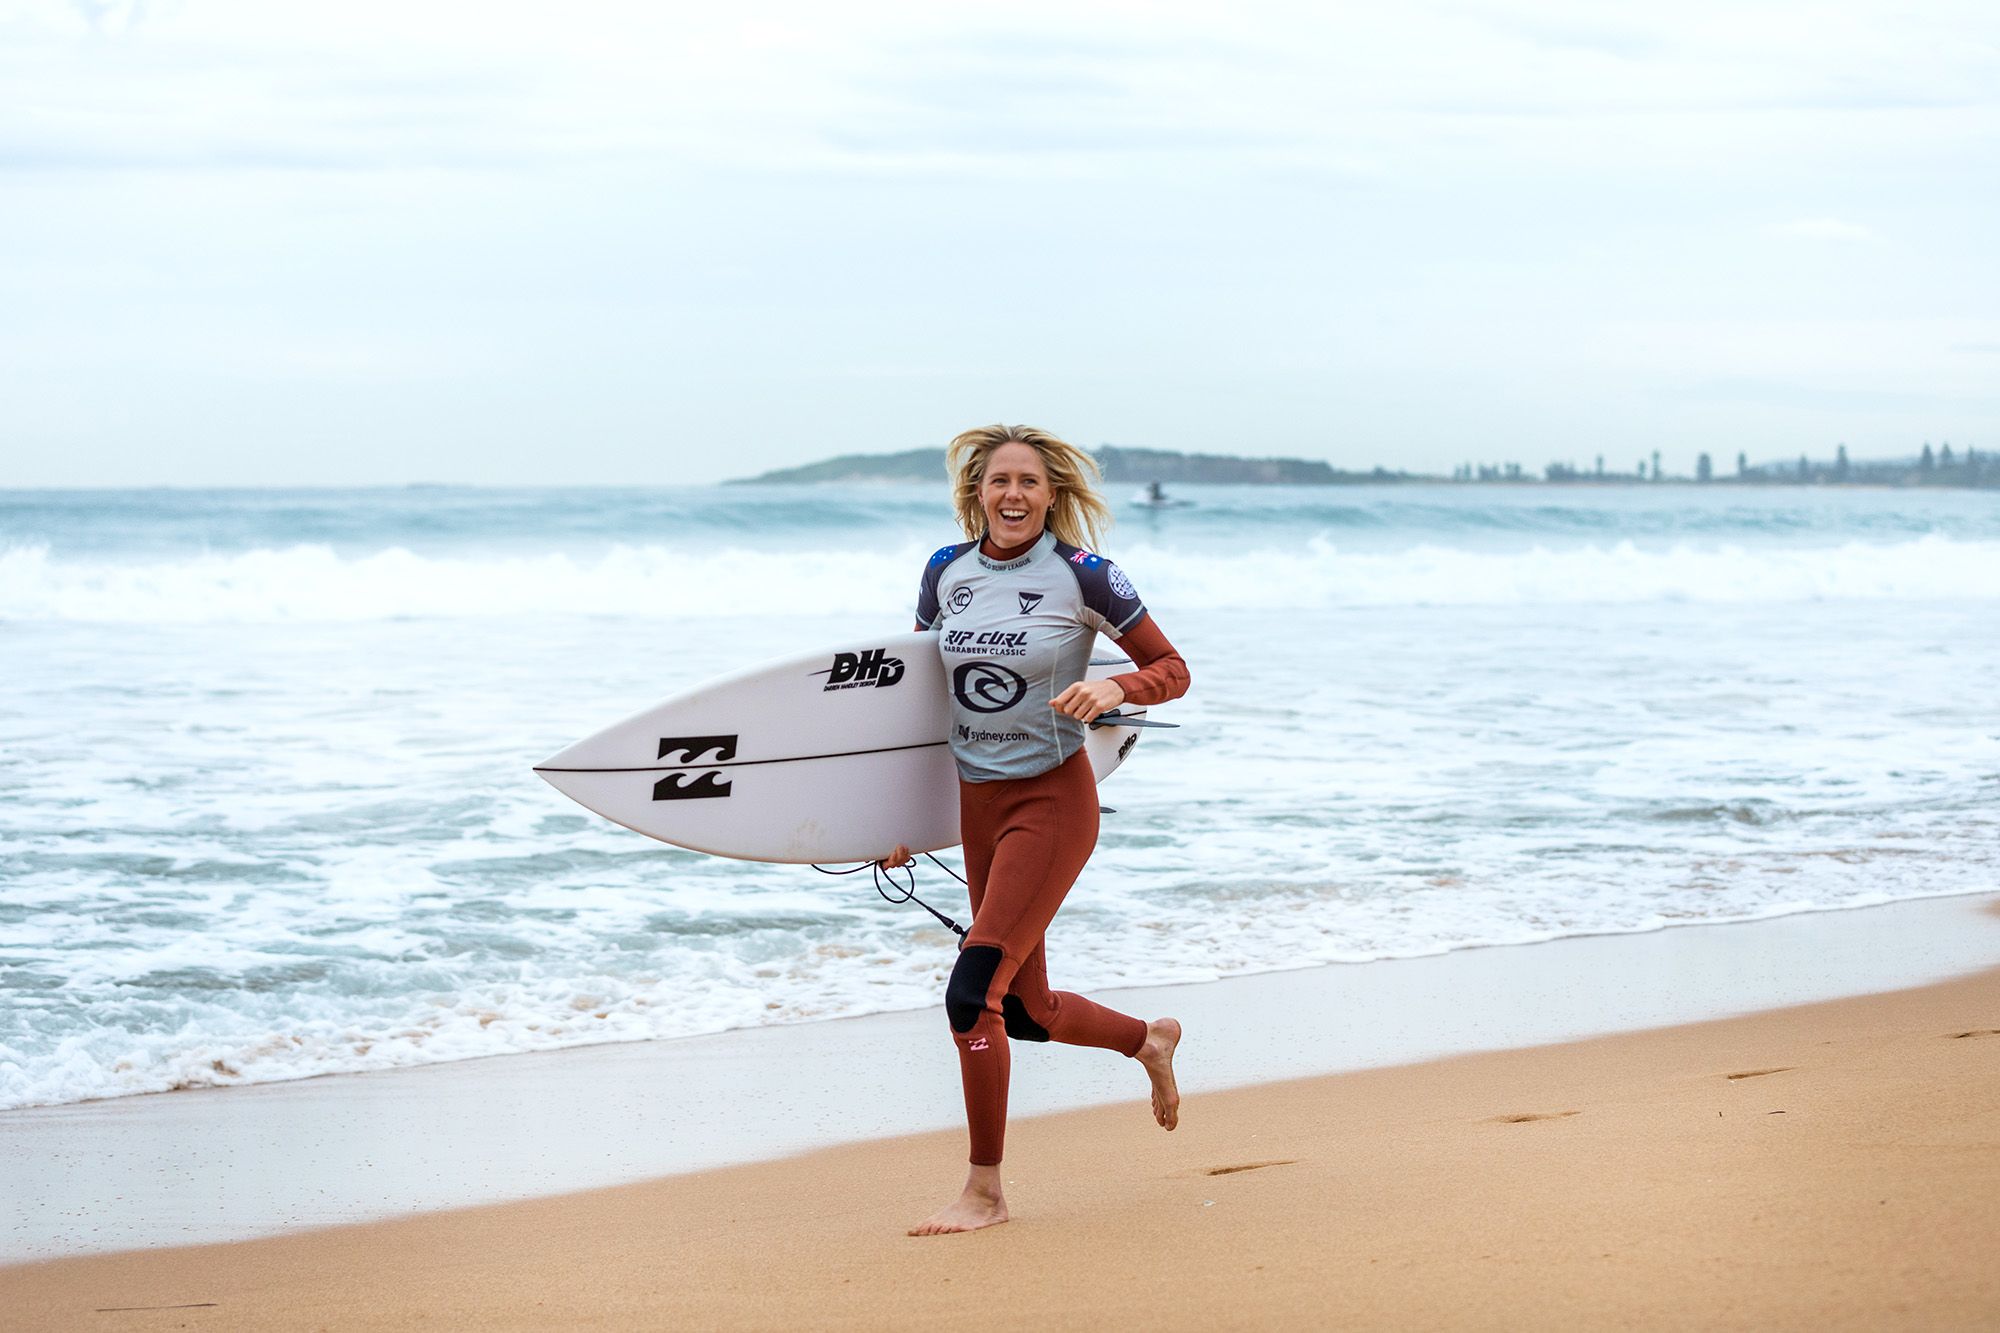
(1940, 467)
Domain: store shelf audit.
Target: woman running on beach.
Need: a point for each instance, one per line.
(1016, 610)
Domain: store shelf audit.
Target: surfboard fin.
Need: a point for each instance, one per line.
(1120, 720)
(1111, 661)
(1106, 810)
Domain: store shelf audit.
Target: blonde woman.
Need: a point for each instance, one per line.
(1016, 609)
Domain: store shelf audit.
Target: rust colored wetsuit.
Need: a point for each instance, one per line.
(1015, 629)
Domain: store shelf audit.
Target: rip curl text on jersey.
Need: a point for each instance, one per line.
(1013, 635)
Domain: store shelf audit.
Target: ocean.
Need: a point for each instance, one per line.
(266, 810)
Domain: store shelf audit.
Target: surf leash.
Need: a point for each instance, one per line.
(904, 892)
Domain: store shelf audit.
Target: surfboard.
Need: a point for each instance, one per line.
(834, 756)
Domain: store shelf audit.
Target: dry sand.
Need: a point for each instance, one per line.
(1835, 1165)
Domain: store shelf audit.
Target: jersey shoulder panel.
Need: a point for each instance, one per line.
(927, 587)
(1110, 601)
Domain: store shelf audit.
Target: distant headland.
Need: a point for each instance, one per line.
(1119, 465)
(1940, 467)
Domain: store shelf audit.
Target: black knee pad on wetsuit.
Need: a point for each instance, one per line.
(1019, 1026)
(971, 978)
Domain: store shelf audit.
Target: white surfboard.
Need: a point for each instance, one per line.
(832, 757)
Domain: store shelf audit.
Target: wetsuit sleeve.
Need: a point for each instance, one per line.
(1162, 673)
(1110, 603)
(927, 588)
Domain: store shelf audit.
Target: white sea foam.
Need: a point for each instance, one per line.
(319, 861)
(316, 584)
(267, 813)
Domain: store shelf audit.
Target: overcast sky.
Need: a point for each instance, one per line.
(274, 243)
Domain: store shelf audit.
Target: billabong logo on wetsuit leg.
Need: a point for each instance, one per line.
(709, 786)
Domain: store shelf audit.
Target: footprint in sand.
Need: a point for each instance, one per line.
(1525, 1116)
(1239, 1166)
(1976, 1032)
(1759, 1073)
(1248, 1166)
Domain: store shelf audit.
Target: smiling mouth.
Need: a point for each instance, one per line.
(1014, 515)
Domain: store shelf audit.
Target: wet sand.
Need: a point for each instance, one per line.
(1831, 1165)
(221, 1164)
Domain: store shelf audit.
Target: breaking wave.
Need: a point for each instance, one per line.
(315, 583)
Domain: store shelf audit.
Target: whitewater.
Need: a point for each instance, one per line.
(267, 809)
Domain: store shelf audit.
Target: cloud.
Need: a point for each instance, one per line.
(1422, 220)
(1592, 34)
(1821, 229)
(111, 15)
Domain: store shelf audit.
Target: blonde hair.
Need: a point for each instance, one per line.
(1077, 513)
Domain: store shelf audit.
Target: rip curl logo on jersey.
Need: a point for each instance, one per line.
(1119, 583)
(987, 687)
(851, 671)
(708, 786)
(961, 597)
(1029, 601)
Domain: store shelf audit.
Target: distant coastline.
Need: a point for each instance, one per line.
(1121, 465)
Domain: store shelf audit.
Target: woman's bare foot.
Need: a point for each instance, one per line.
(981, 1205)
(1162, 1035)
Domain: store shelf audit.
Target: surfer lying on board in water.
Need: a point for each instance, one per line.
(1016, 610)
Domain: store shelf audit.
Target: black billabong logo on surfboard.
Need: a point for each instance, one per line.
(707, 787)
(851, 671)
(987, 687)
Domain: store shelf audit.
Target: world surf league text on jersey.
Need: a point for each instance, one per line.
(851, 671)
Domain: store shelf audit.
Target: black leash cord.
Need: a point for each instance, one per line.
(885, 880)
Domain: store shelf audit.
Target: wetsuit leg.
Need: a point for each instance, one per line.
(1036, 1013)
(1040, 831)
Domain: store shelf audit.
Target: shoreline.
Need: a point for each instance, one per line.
(1834, 1164)
(230, 1164)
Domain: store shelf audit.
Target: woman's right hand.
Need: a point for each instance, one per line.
(898, 858)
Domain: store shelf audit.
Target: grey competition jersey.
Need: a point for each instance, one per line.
(1014, 634)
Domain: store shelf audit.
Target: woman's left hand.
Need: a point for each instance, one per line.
(1088, 699)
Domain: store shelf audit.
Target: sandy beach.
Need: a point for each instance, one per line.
(1834, 1164)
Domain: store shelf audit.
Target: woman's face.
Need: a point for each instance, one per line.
(1015, 494)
